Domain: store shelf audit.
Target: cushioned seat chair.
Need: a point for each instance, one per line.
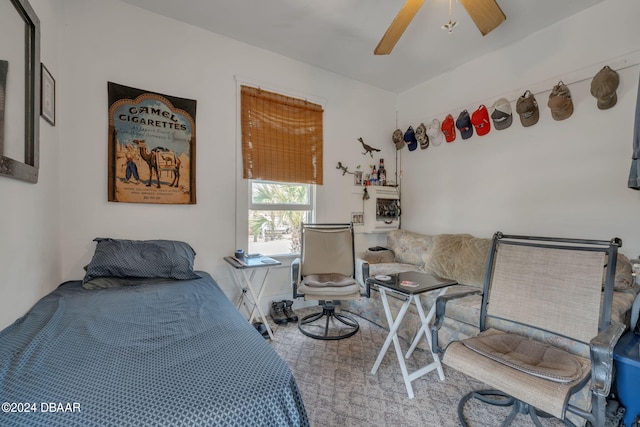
(325, 272)
(540, 284)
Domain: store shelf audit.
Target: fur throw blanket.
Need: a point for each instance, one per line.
(460, 257)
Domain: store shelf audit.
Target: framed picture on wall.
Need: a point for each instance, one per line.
(357, 178)
(151, 147)
(19, 91)
(357, 218)
(47, 95)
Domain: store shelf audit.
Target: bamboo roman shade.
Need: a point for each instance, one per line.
(281, 137)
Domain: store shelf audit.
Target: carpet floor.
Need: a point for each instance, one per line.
(338, 388)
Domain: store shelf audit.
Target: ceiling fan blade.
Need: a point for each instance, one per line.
(486, 14)
(397, 27)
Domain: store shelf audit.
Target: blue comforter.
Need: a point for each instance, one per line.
(173, 354)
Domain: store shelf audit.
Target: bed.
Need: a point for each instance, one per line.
(137, 351)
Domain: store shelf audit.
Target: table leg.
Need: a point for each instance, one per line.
(260, 292)
(424, 329)
(393, 337)
(243, 290)
(256, 300)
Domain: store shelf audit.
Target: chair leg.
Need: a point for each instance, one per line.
(498, 398)
(328, 311)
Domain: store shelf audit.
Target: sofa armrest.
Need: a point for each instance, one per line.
(441, 306)
(601, 349)
(379, 256)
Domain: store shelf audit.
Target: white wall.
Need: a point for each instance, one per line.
(556, 178)
(112, 41)
(29, 213)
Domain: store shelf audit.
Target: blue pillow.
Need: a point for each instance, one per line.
(107, 282)
(141, 258)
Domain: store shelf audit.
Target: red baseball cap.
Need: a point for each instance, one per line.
(480, 121)
(449, 128)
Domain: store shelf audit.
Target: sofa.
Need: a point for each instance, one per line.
(463, 258)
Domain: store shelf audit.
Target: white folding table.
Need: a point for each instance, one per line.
(245, 272)
(421, 283)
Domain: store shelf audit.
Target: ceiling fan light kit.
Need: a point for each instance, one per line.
(486, 14)
(449, 26)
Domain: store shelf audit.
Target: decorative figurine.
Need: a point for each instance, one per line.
(367, 148)
(345, 169)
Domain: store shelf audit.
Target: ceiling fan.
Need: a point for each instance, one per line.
(486, 14)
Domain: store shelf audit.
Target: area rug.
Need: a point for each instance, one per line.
(338, 388)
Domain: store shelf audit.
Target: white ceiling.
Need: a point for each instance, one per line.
(340, 35)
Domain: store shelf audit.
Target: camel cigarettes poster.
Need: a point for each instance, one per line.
(152, 147)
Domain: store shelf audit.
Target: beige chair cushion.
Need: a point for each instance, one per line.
(547, 396)
(526, 355)
(330, 279)
(329, 286)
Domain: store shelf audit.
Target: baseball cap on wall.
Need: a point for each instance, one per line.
(463, 123)
(421, 136)
(448, 128)
(398, 139)
(410, 138)
(560, 102)
(434, 132)
(501, 114)
(527, 109)
(480, 120)
(604, 86)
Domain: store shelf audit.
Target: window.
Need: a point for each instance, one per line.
(276, 210)
(282, 159)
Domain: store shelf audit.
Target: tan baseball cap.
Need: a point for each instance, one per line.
(421, 136)
(398, 139)
(560, 102)
(604, 86)
(527, 109)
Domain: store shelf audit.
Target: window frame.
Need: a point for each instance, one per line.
(281, 206)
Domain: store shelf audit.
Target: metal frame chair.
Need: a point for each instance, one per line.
(325, 272)
(540, 293)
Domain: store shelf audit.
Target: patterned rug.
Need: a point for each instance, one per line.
(338, 388)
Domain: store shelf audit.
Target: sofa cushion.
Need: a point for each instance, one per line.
(624, 277)
(387, 268)
(407, 246)
(460, 257)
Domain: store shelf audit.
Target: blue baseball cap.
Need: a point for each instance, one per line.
(410, 138)
(463, 123)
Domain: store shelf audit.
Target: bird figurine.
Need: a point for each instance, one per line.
(367, 148)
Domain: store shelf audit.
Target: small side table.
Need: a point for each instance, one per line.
(426, 283)
(241, 268)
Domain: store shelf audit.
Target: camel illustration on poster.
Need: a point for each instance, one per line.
(152, 141)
